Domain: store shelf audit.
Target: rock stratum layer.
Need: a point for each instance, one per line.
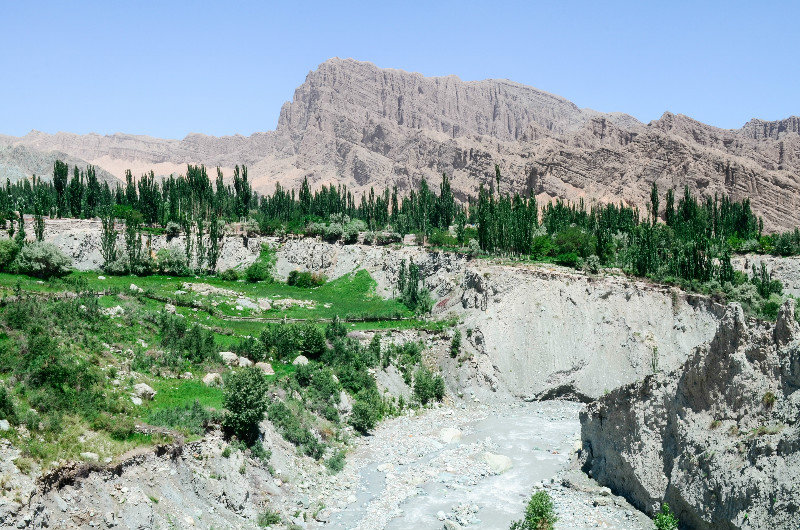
(718, 438)
(354, 123)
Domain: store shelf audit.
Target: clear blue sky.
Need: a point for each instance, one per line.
(170, 68)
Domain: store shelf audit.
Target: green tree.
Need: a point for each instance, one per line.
(246, 399)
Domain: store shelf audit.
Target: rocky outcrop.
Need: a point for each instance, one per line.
(353, 123)
(718, 439)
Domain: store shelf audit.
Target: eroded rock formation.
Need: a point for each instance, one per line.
(717, 439)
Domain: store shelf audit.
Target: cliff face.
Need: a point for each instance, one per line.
(354, 123)
(718, 439)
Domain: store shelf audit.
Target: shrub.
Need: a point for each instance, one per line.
(768, 400)
(8, 251)
(363, 418)
(42, 260)
(8, 409)
(336, 462)
(171, 261)
(305, 279)
(569, 259)
(386, 238)
(245, 397)
(172, 231)
(268, 518)
(665, 519)
(539, 514)
(427, 386)
(229, 275)
(455, 344)
(293, 430)
(263, 268)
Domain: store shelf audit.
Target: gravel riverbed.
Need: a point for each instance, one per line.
(471, 467)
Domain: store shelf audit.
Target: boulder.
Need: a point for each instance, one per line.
(212, 379)
(264, 304)
(136, 400)
(135, 288)
(90, 457)
(4, 425)
(266, 368)
(229, 358)
(300, 360)
(244, 362)
(169, 308)
(497, 463)
(449, 435)
(144, 391)
(187, 375)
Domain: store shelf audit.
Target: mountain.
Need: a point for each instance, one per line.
(355, 123)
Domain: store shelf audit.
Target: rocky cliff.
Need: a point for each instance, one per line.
(354, 123)
(718, 439)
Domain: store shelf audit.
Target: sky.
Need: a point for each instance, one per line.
(167, 69)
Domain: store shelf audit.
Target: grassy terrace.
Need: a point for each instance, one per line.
(110, 345)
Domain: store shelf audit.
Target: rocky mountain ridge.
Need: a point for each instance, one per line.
(354, 123)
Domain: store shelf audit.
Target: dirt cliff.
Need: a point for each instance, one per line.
(718, 438)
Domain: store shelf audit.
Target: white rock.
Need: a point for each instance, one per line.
(4, 425)
(449, 435)
(136, 400)
(187, 375)
(387, 467)
(497, 463)
(144, 391)
(169, 308)
(135, 288)
(300, 360)
(266, 368)
(212, 379)
(264, 304)
(229, 358)
(91, 457)
(244, 362)
(101, 277)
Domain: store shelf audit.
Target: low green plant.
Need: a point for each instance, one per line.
(665, 519)
(268, 518)
(336, 462)
(539, 514)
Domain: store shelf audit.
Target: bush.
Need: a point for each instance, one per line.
(245, 397)
(539, 514)
(665, 519)
(336, 462)
(263, 268)
(42, 260)
(171, 261)
(268, 518)
(229, 275)
(387, 238)
(8, 251)
(8, 409)
(363, 418)
(172, 231)
(427, 386)
(305, 279)
(293, 430)
(455, 344)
